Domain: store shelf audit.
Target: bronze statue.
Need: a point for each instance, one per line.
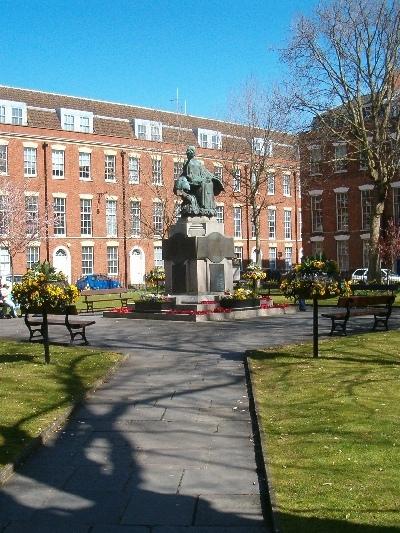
(197, 187)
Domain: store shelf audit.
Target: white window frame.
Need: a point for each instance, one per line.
(156, 171)
(209, 139)
(287, 224)
(76, 120)
(60, 216)
(342, 211)
(111, 217)
(272, 257)
(316, 213)
(86, 211)
(272, 224)
(288, 257)
(32, 256)
(340, 157)
(13, 113)
(219, 215)
(366, 209)
(148, 130)
(158, 260)
(3, 159)
(270, 183)
(315, 153)
(133, 170)
(135, 210)
(32, 214)
(110, 168)
(237, 179)
(85, 166)
(396, 205)
(219, 173)
(112, 261)
(158, 218)
(286, 182)
(342, 253)
(237, 222)
(58, 164)
(87, 260)
(238, 252)
(30, 162)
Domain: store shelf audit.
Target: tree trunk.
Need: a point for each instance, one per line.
(374, 266)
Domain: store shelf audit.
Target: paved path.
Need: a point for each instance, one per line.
(165, 446)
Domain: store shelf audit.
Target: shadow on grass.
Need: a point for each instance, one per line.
(300, 524)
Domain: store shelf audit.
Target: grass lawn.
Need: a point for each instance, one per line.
(33, 395)
(332, 433)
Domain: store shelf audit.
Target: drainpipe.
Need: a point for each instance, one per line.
(46, 201)
(124, 219)
(295, 216)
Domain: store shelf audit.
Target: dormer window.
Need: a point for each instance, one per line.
(13, 113)
(75, 120)
(262, 146)
(148, 130)
(209, 139)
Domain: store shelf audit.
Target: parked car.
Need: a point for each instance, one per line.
(97, 281)
(387, 276)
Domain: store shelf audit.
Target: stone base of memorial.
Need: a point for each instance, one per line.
(232, 303)
(152, 307)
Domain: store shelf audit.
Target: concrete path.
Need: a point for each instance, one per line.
(166, 446)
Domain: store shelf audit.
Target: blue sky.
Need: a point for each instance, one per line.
(140, 51)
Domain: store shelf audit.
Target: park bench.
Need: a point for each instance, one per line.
(76, 326)
(93, 296)
(378, 306)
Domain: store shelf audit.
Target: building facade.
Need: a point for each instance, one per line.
(337, 202)
(101, 174)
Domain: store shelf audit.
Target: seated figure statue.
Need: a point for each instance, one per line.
(197, 187)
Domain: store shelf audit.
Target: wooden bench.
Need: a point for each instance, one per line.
(92, 296)
(378, 306)
(75, 326)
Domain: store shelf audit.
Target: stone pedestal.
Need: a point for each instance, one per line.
(198, 257)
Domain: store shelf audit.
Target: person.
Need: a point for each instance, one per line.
(197, 187)
(7, 302)
(302, 304)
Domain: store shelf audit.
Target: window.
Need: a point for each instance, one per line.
(271, 223)
(317, 249)
(32, 215)
(286, 184)
(148, 130)
(84, 165)
(219, 173)
(272, 258)
(30, 161)
(238, 251)
(86, 216)
(133, 169)
(32, 256)
(262, 146)
(300, 222)
(316, 213)
(13, 113)
(156, 166)
(16, 116)
(111, 218)
(135, 218)
(340, 162)
(363, 160)
(112, 260)
(87, 260)
(3, 159)
(69, 122)
(158, 260)
(209, 139)
(315, 159)
(365, 251)
(59, 209)
(57, 158)
(366, 209)
(84, 124)
(178, 167)
(342, 211)
(396, 205)
(158, 218)
(237, 222)
(288, 258)
(271, 184)
(75, 120)
(4, 215)
(220, 214)
(236, 180)
(109, 167)
(287, 224)
(343, 255)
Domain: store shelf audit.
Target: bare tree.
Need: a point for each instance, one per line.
(345, 62)
(21, 222)
(255, 143)
(389, 244)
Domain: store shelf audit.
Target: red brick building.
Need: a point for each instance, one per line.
(106, 171)
(336, 202)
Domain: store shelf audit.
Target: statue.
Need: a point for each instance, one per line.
(197, 187)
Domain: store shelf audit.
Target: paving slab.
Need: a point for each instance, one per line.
(165, 446)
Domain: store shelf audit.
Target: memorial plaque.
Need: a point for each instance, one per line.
(217, 278)
(179, 278)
